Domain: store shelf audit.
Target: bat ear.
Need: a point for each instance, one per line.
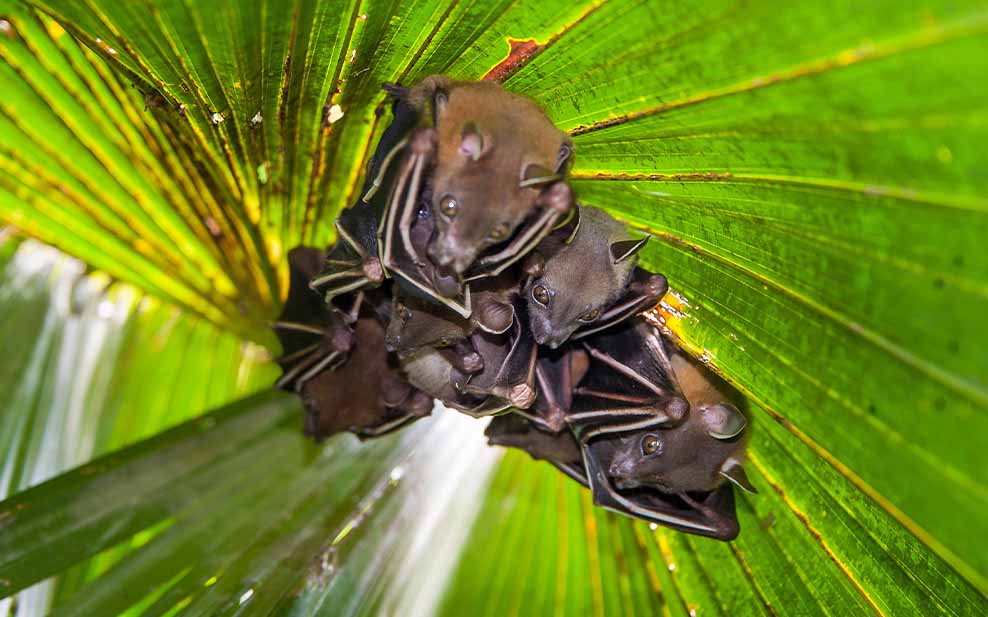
(471, 142)
(724, 421)
(627, 248)
(494, 316)
(433, 89)
(564, 156)
(733, 471)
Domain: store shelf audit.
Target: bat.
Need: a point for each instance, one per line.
(697, 455)
(505, 381)
(354, 260)
(499, 162)
(367, 395)
(669, 467)
(313, 336)
(587, 281)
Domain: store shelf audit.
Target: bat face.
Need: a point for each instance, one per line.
(475, 210)
(493, 148)
(682, 458)
(708, 513)
(579, 279)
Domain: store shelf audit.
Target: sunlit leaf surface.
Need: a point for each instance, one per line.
(813, 175)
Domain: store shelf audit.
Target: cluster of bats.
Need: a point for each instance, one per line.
(467, 273)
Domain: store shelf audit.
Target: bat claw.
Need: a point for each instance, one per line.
(373, 270)
(558, 197)
(521, 395)
(472, 363)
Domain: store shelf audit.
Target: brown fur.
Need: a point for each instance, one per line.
(514, 134)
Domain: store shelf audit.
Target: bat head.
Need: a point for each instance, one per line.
(496, 151)
(696, 455)
(580, 279)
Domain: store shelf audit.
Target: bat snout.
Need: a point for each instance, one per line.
(622, 467)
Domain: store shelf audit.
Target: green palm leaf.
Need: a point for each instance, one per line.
(814, 180)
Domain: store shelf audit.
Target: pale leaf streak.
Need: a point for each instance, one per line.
(975, 24)
(801, 516)
(901, 354)
(959, 202)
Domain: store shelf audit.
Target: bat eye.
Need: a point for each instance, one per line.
(650, 445)
(541, 295)
(500, 232)
(590, 315)
(448, 207)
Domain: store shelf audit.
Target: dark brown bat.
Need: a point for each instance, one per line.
(669, 468)
(367, 395)
(698, 454)
(512, 430)
(496, 152)
(418, 323)
(313, 336)
(507, 379)
(581, 283)
(354, 261)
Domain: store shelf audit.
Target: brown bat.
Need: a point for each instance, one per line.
(670, 467)
(313, 335)
(506, 379)
(587, 281)
(496, 153)
(354, 261)
(366, 396)
(698, 454)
